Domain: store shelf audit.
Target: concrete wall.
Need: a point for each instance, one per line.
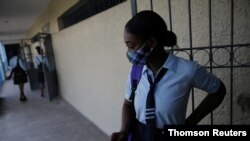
(92, 67)
(91, 61)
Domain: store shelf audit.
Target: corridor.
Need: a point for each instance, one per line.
(39, 119)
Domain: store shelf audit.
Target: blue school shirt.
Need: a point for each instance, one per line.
(172, 91)
(13, 63)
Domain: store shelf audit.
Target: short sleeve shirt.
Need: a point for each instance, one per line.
(41, 59)
(13, 63)
(172, 91)
(38, 59)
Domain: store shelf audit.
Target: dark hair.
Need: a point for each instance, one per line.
(146, 24)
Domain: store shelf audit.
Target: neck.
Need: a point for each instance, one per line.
(157, 60)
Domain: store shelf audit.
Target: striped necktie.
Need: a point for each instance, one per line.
(150, 104)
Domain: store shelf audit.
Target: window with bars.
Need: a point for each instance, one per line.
(84, 9)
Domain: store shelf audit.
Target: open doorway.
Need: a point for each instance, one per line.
(10, 49)
(44, 41)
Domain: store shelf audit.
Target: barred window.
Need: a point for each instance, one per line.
(84, 9)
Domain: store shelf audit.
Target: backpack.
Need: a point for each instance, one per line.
(135, 77)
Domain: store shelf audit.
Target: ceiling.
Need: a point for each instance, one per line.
(17, 16)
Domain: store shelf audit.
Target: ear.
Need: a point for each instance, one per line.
(152, 42)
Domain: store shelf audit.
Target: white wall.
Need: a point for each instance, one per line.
(92, 66)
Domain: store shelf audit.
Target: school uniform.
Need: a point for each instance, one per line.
(40, 60)
(13, 63)
(171, 93)
(18, 78)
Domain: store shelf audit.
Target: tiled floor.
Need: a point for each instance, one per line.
(39, 119)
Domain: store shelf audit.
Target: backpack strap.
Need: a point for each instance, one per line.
(14, 69)
(17, 62)
(135, 79)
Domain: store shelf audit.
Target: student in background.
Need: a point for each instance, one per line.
(41, 64)
(18, 69)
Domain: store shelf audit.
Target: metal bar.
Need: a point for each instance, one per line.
(210, 46)
(90, 8)
(170, 18)
(228, 67)
(210, 35)
(109, 3)
(170, 15)
(232, 58)
(133, 6)
(151, 5)
(190, 30)
(219, 46)
(191, 46)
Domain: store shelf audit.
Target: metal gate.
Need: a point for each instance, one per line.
(50, 74)
(231, 62)
(27, 55)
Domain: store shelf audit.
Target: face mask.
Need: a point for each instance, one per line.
(139, 56)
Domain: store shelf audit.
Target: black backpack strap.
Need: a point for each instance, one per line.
(17, 62)
(13, 69)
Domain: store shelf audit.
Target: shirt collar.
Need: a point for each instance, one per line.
(171, 63)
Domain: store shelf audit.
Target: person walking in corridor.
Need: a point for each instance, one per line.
(18, 69)
(161, 96)
(40, 63)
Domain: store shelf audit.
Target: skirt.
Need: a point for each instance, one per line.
(41, 77)
(144, 133)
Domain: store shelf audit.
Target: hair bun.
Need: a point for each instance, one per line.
(170, 39)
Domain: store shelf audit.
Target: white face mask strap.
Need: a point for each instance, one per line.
(143, 45)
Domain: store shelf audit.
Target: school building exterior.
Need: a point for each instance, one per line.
(92, 68)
